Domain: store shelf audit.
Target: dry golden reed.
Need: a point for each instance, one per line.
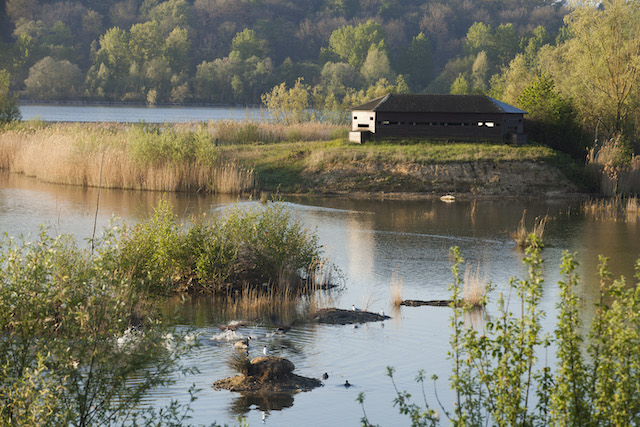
(474, 290)
(616, 174)
(396, 289)
(521, 235)
(73, 154)
(613, 209)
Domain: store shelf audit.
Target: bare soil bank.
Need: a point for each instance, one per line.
(480, 179)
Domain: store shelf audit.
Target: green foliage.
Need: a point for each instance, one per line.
(243, 246)
(247, 44)
(496, 371)
(52, 79)
(152, 146)
(352, 44)
(9, 110)
(76, 330)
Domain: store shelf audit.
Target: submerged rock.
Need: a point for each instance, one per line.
(337, 316)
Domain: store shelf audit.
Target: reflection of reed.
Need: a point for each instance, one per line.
(475, 319)
(614, 209)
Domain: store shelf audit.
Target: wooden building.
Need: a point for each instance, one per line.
(451, 117)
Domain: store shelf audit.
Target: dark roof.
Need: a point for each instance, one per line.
(437, 104)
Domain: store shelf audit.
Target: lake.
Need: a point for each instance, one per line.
(374, 243)
(138, 113)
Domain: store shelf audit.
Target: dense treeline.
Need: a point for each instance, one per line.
(220, 51)
(573, 67)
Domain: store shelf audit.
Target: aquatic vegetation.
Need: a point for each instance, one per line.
(74, 333)
(524, 237)
(501, 376)
(613, 209)
(259, 247)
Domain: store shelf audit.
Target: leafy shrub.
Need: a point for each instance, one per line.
(244, 246)
(75, 331)
(496, 374)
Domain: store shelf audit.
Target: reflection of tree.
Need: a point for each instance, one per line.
(267, 401)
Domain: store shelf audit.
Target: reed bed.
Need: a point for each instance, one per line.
(132, 157)
(613, 209)
(522, 234)
(615, 172)
(230, 132)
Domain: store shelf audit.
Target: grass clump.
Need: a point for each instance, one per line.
(524, 238)
(240, 363)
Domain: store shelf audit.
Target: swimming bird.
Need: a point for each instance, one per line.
(232, 325)
(266, 351)
(346, 384)
(242, 344)
(281, 327)
(325, 376)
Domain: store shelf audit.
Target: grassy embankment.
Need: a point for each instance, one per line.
(240, 157)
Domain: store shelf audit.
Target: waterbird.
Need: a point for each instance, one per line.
(266, 351)
(346, 384)
(232, 325)
(242, 344)
(382, 312)
(353, 308)
(325, 376)
(281, 327)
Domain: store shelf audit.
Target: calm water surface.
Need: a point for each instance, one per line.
(373, 243)
(148, 114)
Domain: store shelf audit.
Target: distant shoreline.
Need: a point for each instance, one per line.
(136, 104)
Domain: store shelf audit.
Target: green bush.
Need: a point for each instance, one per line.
(243, 246)
(75, 331)
(496, 375)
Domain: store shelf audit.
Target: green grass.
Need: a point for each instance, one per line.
(182, 157)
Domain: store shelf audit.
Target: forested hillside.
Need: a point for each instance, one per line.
(233, 51)
(573, 66)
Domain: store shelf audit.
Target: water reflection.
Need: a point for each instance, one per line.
(264, 402)
(370, 241)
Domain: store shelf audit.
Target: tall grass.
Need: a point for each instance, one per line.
(474, 291)
(135, 157)
(396, 290)
(180, 157)
(613, 209)
(523, 236)
(616, 171)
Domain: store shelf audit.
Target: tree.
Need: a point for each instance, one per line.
(177, 50)
(9, 109)
(352, 44)
(417, 64)
(376, 66)
(460, 86)
(605, 54)
(338, 76)
(53, 79)
(247, 44)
